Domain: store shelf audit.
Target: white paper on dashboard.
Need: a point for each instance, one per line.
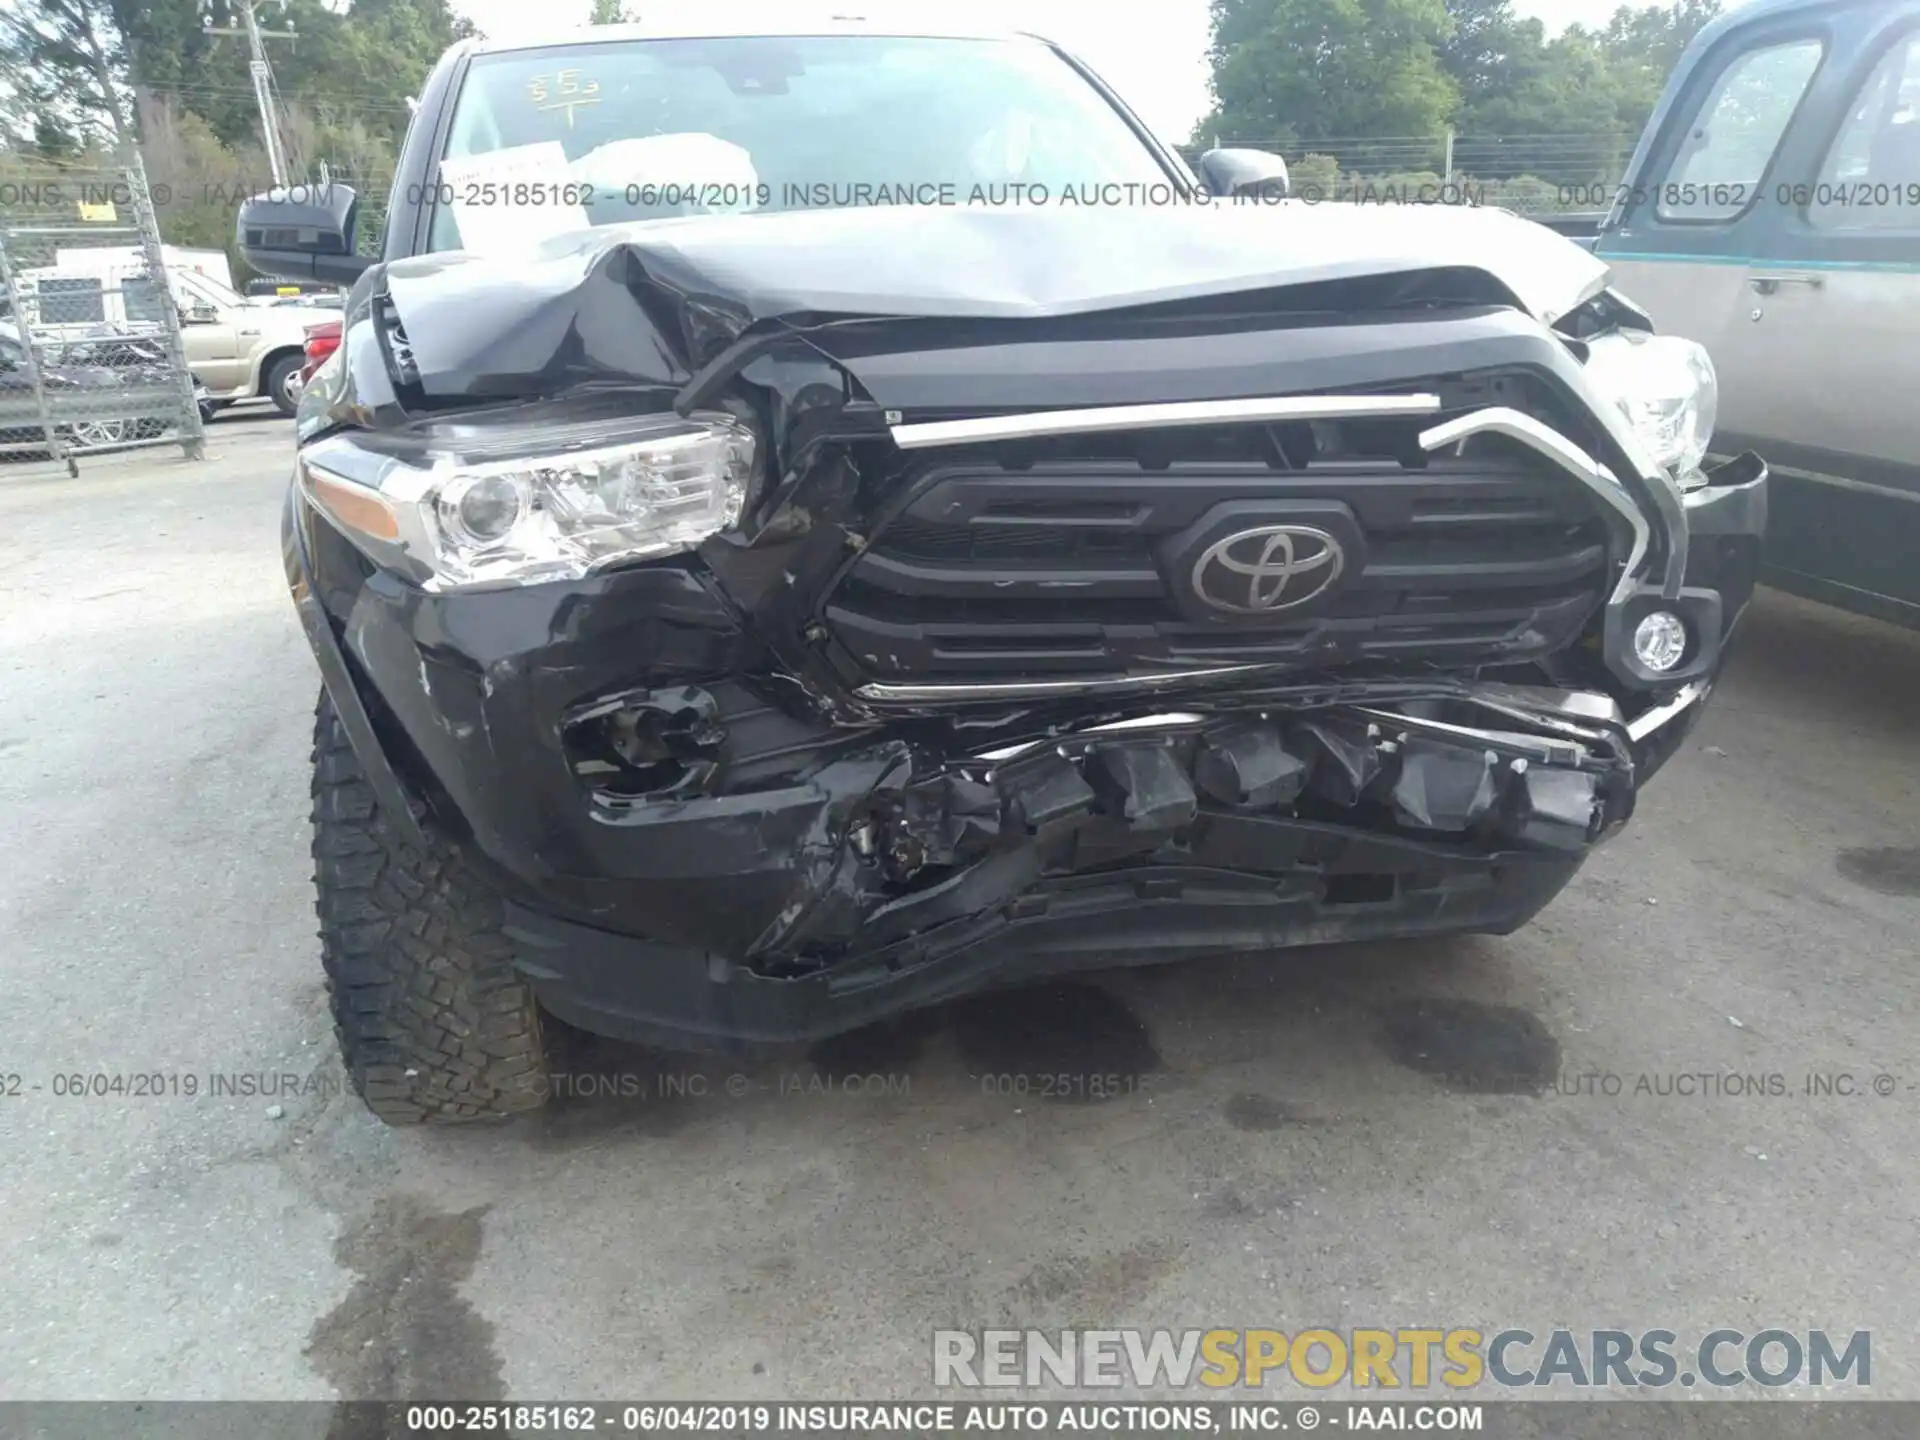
(691, 168)
(492, 219)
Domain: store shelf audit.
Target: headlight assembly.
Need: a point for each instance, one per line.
(545, 503)
(1667, 390)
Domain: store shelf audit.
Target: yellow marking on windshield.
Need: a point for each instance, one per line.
(567, 92)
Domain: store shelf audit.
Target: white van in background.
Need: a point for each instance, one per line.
(87, 260)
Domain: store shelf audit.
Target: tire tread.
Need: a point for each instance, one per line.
(434, 1024)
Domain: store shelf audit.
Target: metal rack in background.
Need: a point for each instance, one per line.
(92, 359)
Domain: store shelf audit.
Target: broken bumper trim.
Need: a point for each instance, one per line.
(684, 998)
(1661, 716)
(1167, 837)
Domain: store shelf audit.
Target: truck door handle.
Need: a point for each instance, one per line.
(1772, 284)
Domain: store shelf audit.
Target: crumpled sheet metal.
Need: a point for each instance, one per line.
(656, 300)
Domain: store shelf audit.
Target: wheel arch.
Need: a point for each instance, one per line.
(394, 795)
(270, 359)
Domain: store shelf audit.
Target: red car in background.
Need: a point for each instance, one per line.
(323, 338)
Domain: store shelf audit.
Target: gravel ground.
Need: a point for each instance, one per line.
(1391, 1135)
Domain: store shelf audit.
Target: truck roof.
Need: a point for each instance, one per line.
(1743, 14)
(724, 26)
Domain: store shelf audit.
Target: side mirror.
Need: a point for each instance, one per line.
(1244, 172)
(303, 232)
(199, 315)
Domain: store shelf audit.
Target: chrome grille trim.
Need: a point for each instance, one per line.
(1543, 438)
(1041, 423)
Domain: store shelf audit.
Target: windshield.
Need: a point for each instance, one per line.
(553, 139)
(220, 294)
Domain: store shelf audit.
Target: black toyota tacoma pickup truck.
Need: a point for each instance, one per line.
(804, 526)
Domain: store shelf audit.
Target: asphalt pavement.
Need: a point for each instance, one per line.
(1392, 1135)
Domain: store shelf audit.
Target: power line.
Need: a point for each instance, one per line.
(263, 91)
(335, 98)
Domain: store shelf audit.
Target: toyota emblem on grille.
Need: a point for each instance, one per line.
(1274, 567)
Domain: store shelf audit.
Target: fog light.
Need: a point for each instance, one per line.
(646, 745)
(1660, 641)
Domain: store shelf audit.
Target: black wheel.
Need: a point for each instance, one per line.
(434, 1024)
(280, 377)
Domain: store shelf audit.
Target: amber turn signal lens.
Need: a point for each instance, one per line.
(354, 506)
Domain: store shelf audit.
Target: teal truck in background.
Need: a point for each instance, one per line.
(1772, 212)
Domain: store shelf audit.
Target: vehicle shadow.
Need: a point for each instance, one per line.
(1354, 1018)
(1098, 1038)
(1361, 1019)
(1799, 659)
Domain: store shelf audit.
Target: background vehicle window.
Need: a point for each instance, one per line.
(141, 299)
(1871, 180)
(71, 302)
(1725, 157)
(206, 288)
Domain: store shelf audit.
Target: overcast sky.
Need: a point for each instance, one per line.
(1153, 53)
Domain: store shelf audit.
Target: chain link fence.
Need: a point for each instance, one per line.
(92, 354)
(1535, 175)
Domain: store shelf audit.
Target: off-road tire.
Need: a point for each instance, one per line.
(279, 378)
(433, 1023)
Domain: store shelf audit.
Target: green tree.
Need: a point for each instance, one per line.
(74, 65)
(166, 41)
(1529, 105)
(393, 44)
(1642, 46)
(610, 12)
(1295, 71)
(196, 174)
(65, 62)
(1487, 42)
(52, 138)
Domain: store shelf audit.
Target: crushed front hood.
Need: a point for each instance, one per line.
(1032, 263)
(532, 323)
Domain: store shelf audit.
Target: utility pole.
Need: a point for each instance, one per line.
(262, 88)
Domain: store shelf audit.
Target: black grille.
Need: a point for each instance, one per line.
(1004, 563)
